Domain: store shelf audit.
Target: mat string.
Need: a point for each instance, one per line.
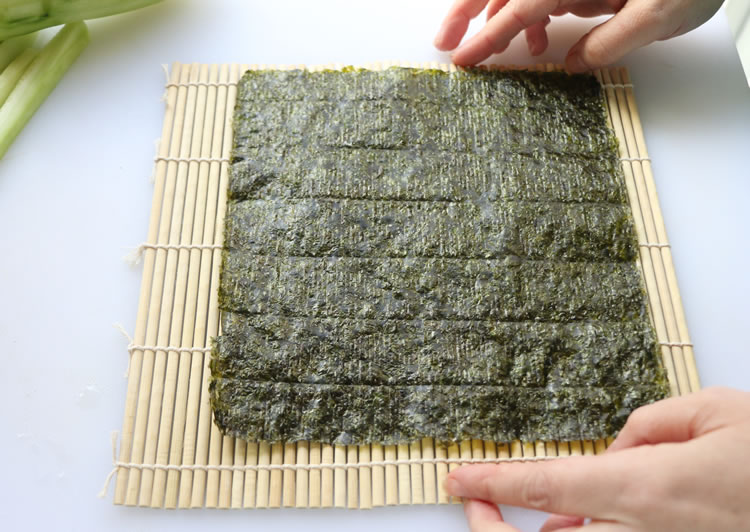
(201, 84)
(114, 436)
(676, 344)
(191, 159)
(134, 257)
(305, 467)
(635, 159)
(617, 85)
(122, 330)
(133, 347)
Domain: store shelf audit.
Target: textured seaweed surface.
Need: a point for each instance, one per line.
(412, 253)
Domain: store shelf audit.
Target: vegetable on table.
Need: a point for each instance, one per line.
(10, 76)
(39, 79)
(18, 17)
(11, 48)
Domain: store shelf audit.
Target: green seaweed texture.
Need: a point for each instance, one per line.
(413, 253)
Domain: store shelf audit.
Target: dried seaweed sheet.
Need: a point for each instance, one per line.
(413, 253)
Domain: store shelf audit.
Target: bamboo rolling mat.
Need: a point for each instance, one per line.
(170, 452)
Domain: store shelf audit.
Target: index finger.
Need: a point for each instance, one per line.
(456, 23)
(585, 485)
(496, 35)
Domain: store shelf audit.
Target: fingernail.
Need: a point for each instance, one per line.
(575, 63)
(453, 487)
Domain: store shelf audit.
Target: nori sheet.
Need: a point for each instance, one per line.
(413, 253)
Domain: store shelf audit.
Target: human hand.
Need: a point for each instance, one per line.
(678, 464)
(635, 23)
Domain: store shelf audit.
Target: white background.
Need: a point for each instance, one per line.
(75, 197)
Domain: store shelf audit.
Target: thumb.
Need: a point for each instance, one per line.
(635, 25)
(672, 420)
(485, 516)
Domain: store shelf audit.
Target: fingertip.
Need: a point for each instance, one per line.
(453, 487)
(538, 46)
(472, 52)
(450, 33)
(481, 514)
(557, 522)
(575, 64)
(536, 37)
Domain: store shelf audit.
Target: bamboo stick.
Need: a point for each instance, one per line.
(302, 476)
(528, 449)
(404, 482)
(441, 470)
(166, 235)
(428, 471)
(327, 477)
(238, 477)
(477, 448)
(352, 478)
(417, 482)
(195, 442)
(563, 449)
(164, 388)
(588, 448)
(550, 448)
(600, 446)
(490, 449)
(454, 453)
(173, 118)
(503, 450)
(516, 449)
(315, 475)
(174, 284)
(339, 475)
(264, 475)
(540, 449)
(220, 482)
(192, 308)
(378, 476)
(290, 458)
(465, 450)
(277, 457)
(391, 477)
(251, 476)
(415, 473)
(576, 449)
(205, 486)
(365, 479)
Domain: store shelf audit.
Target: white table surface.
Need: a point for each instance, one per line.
(75, 197)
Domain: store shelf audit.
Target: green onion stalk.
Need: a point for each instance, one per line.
(18, 17)
(38, 79)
